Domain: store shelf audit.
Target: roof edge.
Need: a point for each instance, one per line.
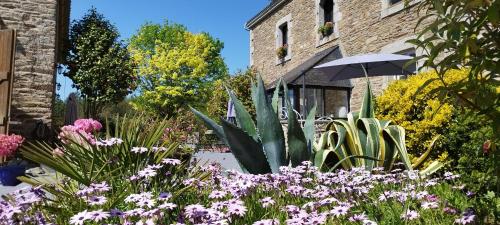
(324, 53)
(264, 13)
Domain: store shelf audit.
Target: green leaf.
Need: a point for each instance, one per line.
(351, 157)
(396, 134)
(432, 168)
(426, 154)
(247, 151)
(369, 135)
(309, 129)
(274, 102)
(319, 158)
(390, 152)
(243, 118)
(270, 130)
(253, 92)
(494, 12)
(298, 150)
(211, 124)
(337, 145)
(367, 109)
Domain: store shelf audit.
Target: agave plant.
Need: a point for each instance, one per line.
(364, 141)
(260, 147)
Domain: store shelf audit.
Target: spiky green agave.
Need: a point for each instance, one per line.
(260, 147)
(362, 141)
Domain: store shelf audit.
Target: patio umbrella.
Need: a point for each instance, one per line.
(71, 113)
(368, 65)
(231, 113)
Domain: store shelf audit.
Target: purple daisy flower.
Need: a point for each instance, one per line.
(267, 201)
(96, 200)
(410, 215)
(267, 222)
(80, 218)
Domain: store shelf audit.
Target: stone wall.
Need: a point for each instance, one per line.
(364, 26)
(33, 90)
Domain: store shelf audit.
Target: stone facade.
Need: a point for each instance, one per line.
(360, 26)
(41, 26)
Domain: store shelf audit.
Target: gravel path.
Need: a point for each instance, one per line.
(226, 160)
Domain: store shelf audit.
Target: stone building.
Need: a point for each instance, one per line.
(348, 27)
(42, 28)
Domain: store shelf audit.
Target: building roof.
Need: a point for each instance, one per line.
(272, 7)
(314, 77)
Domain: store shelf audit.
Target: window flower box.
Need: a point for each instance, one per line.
(282, 51)
(326, 30)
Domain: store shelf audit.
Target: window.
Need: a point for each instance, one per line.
(336, 103)
(327, 6)
(327, 16)
(284, 34)
(314, 96)
(329, 102)
(392, 2)
(284, 39)
(390, 7)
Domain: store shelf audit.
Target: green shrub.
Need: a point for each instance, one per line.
(424, 117)
(463, 132)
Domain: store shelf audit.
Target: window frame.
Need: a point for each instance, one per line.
(388, 8)
(323, 12)
(279, 38)
(299, 98)
(320, 21)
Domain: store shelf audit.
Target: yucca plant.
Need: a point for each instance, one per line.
(364, 141)
(81, 163)
(260, 147)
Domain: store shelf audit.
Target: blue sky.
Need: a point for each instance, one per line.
(223, 19)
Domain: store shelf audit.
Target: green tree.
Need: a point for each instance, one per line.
(98, 63)
(175, 67)
(240, 84)
(58, 112)
(464, 33)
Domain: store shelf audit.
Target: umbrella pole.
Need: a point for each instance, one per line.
(304, 95)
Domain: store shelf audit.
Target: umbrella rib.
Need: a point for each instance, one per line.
(348, 65)
(403, 69)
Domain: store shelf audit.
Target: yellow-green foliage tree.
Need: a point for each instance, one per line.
(419, 110)
(175, 67)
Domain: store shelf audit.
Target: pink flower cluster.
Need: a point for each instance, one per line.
(88, 125)
(9, 144)
(82, 128)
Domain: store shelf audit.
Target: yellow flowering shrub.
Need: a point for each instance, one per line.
(419, 110)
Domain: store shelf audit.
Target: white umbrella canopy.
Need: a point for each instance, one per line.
(367, 66)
